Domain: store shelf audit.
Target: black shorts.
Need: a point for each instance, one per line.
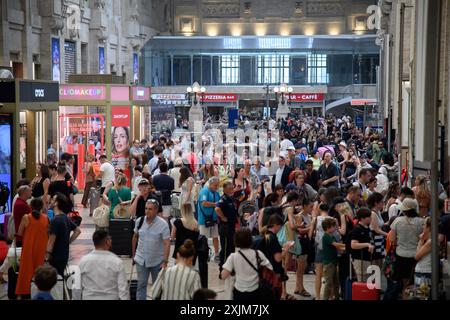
(403, 268)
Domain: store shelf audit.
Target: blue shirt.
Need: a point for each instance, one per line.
(43, 296)
(150, 248)
(209, 196)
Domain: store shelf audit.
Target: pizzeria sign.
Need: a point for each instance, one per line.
(219, 97)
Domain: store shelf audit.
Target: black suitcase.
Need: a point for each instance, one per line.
(121, 232)
(12, 283)
(133, 284)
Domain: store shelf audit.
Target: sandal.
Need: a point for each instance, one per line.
(289, 297)
(304, 293)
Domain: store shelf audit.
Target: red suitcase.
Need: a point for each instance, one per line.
(361, 291)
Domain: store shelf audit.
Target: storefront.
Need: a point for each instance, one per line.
(28, 117)
(102, 119)
(167, 111)
(307, 103)
(218, 104)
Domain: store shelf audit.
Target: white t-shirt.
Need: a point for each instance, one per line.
(108, 173)
(247, 279)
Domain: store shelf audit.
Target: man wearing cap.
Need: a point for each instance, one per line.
(137, 208)
(282, 174)
(298, 162)
(285, 143)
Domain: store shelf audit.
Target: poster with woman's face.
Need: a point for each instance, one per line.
(120, 155)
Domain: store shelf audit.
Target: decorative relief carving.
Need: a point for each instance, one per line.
(325, 8)
(221, 10)
(56, 24)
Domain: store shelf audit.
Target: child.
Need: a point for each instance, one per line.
(45, 278)
(330, 258)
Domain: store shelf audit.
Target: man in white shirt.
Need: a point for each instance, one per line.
(102, 272)
(107, 172)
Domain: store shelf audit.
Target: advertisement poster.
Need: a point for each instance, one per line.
(101, 60)
(56, 60)
(5, 163)
(163, 118)
(135, 68)
(120, 155)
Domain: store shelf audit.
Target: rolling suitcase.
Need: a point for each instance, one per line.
(361, 290)
(133, 284)
(121, 232)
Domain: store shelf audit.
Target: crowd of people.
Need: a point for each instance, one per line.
(330, 203)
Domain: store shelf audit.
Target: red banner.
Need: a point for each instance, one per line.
(219, 97)
(80, 177)
(121, 116)
(307, 97)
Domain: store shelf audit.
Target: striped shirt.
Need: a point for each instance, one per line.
(176, 283)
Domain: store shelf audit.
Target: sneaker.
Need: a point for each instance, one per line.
(217, 258)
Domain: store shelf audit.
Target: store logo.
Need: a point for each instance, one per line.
(120, 116)
(39, 93)
(141, 93)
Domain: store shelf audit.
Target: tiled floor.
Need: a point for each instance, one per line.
(83, 245)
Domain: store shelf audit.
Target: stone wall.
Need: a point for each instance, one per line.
(121, 27)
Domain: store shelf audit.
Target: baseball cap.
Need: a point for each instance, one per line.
(342, 143)
(290, 148)
(409, 204)
(143, 181)
(298, 146)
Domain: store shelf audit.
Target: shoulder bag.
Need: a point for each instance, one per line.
(121, 211)
(269, 282)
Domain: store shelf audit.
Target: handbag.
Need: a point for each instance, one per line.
(269, 282)
(14, 255)
(75, 217)
(121, 211)
(101, 216)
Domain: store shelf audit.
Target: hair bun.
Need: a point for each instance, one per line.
(188, 244)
